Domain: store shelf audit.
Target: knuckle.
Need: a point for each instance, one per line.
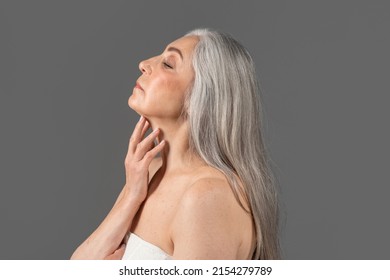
(140, 146)
(149, 155)
(143, 165)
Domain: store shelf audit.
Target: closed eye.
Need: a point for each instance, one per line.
(167, 65)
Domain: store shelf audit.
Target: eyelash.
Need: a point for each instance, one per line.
(167, 65)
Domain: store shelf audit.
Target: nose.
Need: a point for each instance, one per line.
(144, 67)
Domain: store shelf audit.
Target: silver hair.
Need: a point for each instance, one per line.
(224, 114)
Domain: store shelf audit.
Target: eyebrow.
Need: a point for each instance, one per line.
(176, 50)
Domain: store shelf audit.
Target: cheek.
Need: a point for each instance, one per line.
(169, 88)
(168, 96)
(170, 85)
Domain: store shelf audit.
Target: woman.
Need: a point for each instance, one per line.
(211, 193)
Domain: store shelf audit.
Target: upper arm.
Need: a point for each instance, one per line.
(202, 227)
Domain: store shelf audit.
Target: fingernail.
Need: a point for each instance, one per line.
(141, 118)
(162, 142)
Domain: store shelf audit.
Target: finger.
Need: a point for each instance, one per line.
(144, 129)
(150, 145)
(149, 156)
(136, 135)
(145, 145)
(135, 140)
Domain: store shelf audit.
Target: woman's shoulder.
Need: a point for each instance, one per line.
(211, 181)
(209, 192)
(208, 213)
(207, 181)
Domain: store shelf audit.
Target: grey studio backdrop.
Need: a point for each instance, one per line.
(67, 69)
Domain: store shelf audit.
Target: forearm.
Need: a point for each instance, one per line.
(108, 236)
(110, 233)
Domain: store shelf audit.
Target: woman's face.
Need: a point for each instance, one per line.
(160, 90)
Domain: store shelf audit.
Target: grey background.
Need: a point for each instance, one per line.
(67, 69)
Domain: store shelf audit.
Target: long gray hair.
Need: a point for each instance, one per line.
(225, 129)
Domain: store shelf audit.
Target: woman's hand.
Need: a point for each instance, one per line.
(139, 156)
(105, 241)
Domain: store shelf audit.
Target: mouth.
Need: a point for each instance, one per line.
(138, 86)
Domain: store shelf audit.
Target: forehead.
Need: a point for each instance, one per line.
(185, 44)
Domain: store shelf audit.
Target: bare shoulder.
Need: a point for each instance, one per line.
(206, 222)
(210, 195)
(210, 186)
(206, 191)
(209, 191)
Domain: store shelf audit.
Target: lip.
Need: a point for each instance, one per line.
(137, 85)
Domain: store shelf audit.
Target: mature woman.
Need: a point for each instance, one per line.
(210, 194)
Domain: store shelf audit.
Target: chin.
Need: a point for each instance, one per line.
(132, 102)
(135, 101)
(133, 105)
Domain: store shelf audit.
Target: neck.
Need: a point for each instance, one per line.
(176, 155)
